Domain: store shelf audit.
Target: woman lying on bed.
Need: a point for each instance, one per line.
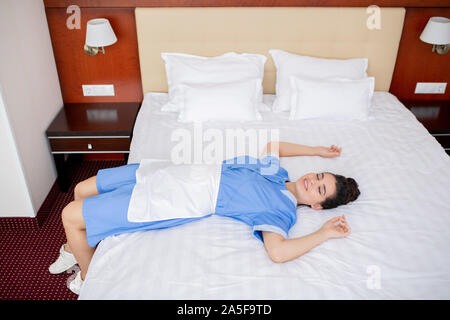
(257, 192)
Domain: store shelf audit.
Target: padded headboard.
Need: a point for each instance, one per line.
(326, 32)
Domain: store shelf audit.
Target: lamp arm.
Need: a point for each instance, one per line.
(442, 48)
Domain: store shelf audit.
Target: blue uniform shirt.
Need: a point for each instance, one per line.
(253, 191)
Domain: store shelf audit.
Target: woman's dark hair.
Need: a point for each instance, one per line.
(346, 191)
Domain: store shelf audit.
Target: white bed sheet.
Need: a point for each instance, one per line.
(398, 248)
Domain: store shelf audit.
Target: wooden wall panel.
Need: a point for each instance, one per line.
(118, 66)
(415, 61)
(247, 3)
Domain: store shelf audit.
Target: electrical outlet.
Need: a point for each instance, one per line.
(98, 90)
(431, 87)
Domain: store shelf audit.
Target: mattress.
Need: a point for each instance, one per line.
(398, 247)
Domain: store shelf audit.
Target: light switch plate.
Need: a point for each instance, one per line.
(431, 87)
(98, 90)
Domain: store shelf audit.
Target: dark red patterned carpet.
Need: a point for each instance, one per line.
(28, 246)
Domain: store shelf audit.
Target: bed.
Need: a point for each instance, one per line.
(398, 248)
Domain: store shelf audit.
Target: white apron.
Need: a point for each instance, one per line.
(166, 191)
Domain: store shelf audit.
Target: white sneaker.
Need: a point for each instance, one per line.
(65, 261)
(75, 284)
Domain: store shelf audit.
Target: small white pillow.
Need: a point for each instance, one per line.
(338, 99)
(220, 102)
(230, 67)
(289, 64)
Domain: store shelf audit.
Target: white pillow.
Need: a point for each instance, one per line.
(289, 64)
(230, 67)
(338, 99)
(235, 101)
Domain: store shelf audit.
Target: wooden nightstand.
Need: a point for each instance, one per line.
(435, 116)
(81, 128)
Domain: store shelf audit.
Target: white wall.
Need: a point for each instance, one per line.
(31, 94)
(15, 199)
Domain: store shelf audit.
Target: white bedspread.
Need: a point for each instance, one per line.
(398, 248)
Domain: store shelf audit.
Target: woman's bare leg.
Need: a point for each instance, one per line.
(75, 229)
(84, 189)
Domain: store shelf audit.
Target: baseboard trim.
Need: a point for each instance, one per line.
(30, 223)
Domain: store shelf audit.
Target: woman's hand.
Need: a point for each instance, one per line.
(330, 152)
(336, 231)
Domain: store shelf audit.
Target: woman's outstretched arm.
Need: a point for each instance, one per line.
(287, 149)
(282, 250)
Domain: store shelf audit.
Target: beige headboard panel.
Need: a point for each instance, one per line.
(321, 32)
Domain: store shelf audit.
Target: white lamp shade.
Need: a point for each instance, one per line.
(99, 33)
(437, 31)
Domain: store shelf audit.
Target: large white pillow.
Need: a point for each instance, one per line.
(338, 99)
(289, 64)
(235, 101)
(230, 67)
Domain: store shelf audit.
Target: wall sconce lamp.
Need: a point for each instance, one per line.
(99, 33)
(437, 33)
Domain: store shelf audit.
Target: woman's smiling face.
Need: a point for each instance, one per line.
(313, 188)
